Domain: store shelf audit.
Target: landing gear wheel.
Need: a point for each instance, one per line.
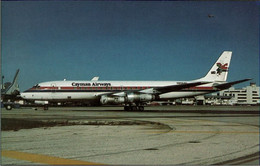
(134, 108)
(45, 107)
(8, 107)
(126, 108)
(141, 108)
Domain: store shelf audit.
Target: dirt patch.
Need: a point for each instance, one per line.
(194, 142)
(17, 124)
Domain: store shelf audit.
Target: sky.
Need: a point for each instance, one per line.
(127, 40)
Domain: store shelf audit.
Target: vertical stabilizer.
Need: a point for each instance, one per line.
(219, 70)
(14, 87)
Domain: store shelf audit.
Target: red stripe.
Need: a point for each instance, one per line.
(115, 88)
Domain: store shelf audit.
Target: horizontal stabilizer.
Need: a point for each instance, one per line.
(229, 84)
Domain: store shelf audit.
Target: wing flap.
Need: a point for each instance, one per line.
(229, 84)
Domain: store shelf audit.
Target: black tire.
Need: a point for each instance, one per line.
(45, 107)
(8, 107)
(134, 108)
(126, 108)
(141, 108)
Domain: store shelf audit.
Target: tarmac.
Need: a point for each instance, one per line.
(161, 135)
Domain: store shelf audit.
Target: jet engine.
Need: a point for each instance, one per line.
(41, 102)
(112, 100)
(128, 98)
(138, 98)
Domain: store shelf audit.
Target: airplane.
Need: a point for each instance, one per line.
(10, 93)
(210, 16)
(132, 94)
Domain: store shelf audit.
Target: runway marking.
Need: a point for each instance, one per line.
(219, 132)
(209, 132)
(45, 159)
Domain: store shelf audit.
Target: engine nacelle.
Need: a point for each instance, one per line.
(129, 98)
(41, 102)
(137, 98)
(112, 100)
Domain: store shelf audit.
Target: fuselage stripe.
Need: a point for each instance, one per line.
(109, 89)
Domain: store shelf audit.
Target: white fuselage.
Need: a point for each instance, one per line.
(92, 90)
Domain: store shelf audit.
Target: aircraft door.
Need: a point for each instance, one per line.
(53, 87)
(53, 94)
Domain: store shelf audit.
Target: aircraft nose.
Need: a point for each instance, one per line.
(23, 95)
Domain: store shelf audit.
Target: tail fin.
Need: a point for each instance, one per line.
(219, 70)
(13, 89)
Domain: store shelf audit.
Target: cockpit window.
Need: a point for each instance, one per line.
(36, 86)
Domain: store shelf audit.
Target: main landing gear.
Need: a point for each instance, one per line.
(133, 108)
(8, 107)
(45, 107)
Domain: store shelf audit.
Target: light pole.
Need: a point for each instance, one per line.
(2, 82)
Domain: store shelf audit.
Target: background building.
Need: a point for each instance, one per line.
(246, 96)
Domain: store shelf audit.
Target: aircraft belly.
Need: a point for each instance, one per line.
(61, 96)
(73, 96)
(173, 95)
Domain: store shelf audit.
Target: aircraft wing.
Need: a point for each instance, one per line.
(229, 84)
(163, 89)
(171, 88)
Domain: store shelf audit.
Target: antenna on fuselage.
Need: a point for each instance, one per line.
(95, 79)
